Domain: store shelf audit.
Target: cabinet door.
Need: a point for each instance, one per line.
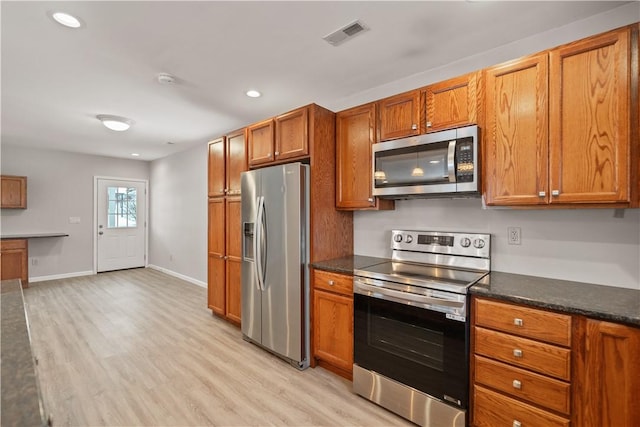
(292, 139)
(354, 137)
(216, 276)
(399, 116)
(13, 192)
(589, 120)
(13, 260)
(260, 142)
(607, 381)
(452, 103)
(216, 166)
(333, 329)
(516, 135)
(233, 257)
(236, 160)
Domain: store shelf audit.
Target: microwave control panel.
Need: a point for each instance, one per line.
(464, 160)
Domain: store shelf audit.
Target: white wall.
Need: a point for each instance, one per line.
(59, 186)
(587, 245)
(178, 209)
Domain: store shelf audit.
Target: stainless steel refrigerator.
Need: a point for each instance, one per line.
(275, 284)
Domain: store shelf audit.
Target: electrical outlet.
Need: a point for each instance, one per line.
(514, 235)
(34, 261)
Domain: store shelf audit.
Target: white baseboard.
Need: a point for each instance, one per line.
(179, 276)
(60, 276)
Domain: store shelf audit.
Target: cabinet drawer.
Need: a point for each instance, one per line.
(544, 391)
(540, 357)
(333, 282)
(492, 409)
(529, 322)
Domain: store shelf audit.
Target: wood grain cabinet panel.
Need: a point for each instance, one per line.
(260, 142)
(453, 103)
(216, 243)
(589, 119)
(493, 409)
(216, 167)
(13, 192)
(236, 160)
(399, 116)
(607, 378)
(355, 135)
(292, 135)
(529, 322)
(333, 321)
(516, 136)
(233, 258)
(14, 255)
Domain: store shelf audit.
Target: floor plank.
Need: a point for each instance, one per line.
(139, 347)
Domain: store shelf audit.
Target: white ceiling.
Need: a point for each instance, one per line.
(55, 80)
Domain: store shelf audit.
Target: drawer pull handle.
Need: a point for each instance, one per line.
(331, 283)
(517, 352)
(517, 322)
(517, 384)
(517, 423)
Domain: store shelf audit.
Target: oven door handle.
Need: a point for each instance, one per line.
(432, 303)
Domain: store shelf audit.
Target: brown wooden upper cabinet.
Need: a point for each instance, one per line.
(355, 134)
(453, 103)
(227, 159)
(557, 125)
(279, 139)
(14, 192)
(260, 142)
(399, 116)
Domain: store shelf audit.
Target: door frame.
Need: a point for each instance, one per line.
(95, 216)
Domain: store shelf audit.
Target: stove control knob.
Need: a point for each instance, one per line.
(465, 242)
(408, 238)
(397, 238)
(478, 243)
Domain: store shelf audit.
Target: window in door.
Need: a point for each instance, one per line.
(122, 207)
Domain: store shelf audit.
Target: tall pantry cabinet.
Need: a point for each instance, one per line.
(227, 159)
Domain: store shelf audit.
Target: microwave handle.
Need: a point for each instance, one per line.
(451, 161)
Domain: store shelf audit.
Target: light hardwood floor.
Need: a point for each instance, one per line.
(139, 347)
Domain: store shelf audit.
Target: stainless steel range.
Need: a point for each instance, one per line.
(411, 334)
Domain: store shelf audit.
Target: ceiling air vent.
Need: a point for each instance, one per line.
(345, 33)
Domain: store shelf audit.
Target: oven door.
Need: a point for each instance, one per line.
(416, 346)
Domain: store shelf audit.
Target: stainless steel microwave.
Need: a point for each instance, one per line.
(436, 164)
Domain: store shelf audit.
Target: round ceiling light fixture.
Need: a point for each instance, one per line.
(116, 123)
(252, 93)
(67, 20)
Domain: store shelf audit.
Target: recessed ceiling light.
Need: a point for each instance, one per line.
(165, 79)
(114, 122)
(66, 20)
(135, 154)
(252, 93)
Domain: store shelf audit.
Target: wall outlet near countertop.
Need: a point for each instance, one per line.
(514, 235)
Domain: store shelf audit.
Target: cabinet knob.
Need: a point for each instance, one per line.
(517, 384)
(555, 192)
(370, 200)
(331, 282)
(517, 322)
(517, 423)
(428, 124)
(517, 352)
(226, 191)
(277, 153)
(414, 127)
(542, 194)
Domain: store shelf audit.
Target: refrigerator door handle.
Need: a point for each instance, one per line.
(258, 246)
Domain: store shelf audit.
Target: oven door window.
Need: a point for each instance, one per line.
(419, 165)
(414, 346)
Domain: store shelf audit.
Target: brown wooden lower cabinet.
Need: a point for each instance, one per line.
(333, 322)
(592, 381)
(14, 260)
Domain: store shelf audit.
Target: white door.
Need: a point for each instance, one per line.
(121, 224)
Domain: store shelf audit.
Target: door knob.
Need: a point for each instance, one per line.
(101, 232)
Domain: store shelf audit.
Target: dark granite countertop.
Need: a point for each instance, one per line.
(21, 402)
(32, 236)
(597, 301)
(347, 264)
